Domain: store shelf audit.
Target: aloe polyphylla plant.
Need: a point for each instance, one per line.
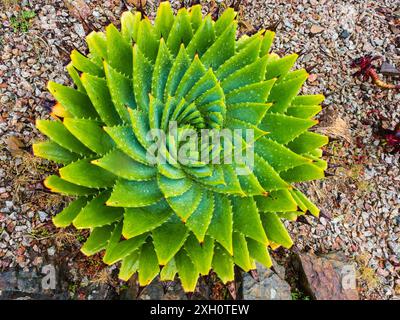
(171, 218)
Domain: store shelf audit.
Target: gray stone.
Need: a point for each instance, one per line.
(279, 270)
(269, 287)
(156, 290)
(100, 292)
(327, 277)
(345, 34)
(8, 280)
(42, 216)
(387, 68)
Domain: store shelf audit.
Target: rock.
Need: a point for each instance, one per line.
(278, 269)
(42, 216)
(269, 287)
(79, 30)
(18, 285)
(8, 281)
(100, 292)
(315, 29)
(327, 277)
(344, 34)
(51, 251)
(312, 77)
(154, 291)
(387, 68)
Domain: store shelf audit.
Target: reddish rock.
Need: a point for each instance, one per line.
(328, 277)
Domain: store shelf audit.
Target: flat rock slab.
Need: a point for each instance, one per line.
(327, 277)
(270, 286)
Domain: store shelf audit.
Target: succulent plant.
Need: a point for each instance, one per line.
(171, 218)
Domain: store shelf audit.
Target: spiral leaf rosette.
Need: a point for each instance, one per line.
(173, 217)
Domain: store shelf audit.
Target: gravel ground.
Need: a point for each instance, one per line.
(360, 202)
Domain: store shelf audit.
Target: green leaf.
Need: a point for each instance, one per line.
(201, 254)
(278, 156)
(90, 133)
(125, 167)
(56, 184)
(97, 43)
(196, 16)
(85, 174)
(308, 204)
(267, 42)
(240, 59)
(169, 271)
(202, 39)
(97, 214)
(53, 151)
(156, 108)
(284, 129)
(259, 252)
(147, 40)
(275, 229)
(142, 77)
(231, 183)
(276, 201)
(148, 264)
(187, 271)
(207, 82)
(283, 93)
(185, 204)
(140, 126)
(309, 100)
(192, 75)
(127, 142)
(170, 171)
(200, 219)
(268, 178)
(250, 112)
(98, 93)
(241, 253)
(307, 142)
(246, 219)
(256, 92)
(66, 216)
(73, 73)
(221, 225)
(161, 72)
(252, 73)
(173, 187)
(280, 67)
(134, 194)
(121, 91)
(225, 21)
(222, 49)
(57, 132)
(181, 31)
(304, 172)
(121, 249)
(130, 25)
(119, 52)
(129, 265)
(303, 112)
(169, 238)
(223, 264)
(84, 64)
(141, 220)
(178, 69)
(250, 184)
(97, 240)
(290, 215)
(164, 19)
